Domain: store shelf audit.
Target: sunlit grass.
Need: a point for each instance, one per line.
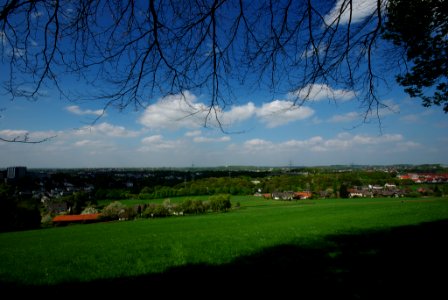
(146, 246)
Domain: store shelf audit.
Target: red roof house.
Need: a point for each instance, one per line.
(302, 195)
(87, 218)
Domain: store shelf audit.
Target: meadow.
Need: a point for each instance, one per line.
(311, 242)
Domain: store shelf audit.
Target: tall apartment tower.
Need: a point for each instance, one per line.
(15, 172)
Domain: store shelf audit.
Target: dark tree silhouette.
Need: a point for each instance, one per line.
(424, 40)
(25, 138)
(128, 52)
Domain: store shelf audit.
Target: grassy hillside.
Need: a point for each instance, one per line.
(279, 232)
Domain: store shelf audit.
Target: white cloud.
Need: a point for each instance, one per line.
(360, 9)
(374, 140)
(280, 112)
(157, 143)
(351, 116)
(193, 133)
(201, 139)
(238, 114)
(106, 129)
(31, 136)
(346, 141)
(89, 143)
(341, 142)
(82, 143)
(344, 148)
(405, 146)
(318, 92)
(98, 136)
(10, 133)
(383, 109)
(389, 109)
(309, 143)
(184, 112)
(257, 142)
(175, 112)
(75, 109)
(71, 149)
(257, 145)
(152, 139)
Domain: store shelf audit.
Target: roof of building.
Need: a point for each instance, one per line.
(76, 218)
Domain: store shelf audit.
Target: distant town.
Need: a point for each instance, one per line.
(55, 183)
(35, 195)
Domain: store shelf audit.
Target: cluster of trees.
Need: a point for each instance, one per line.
(118, 211)
(18, 212)
(246, 185)
(318, 183)
(77, 201)
(206, 186)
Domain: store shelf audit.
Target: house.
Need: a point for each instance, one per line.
(67, 219)
(267, 196)
(354, 193)
(390, 186)
(302, 195)
(283, 195)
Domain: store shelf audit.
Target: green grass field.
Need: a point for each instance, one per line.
(263, 234)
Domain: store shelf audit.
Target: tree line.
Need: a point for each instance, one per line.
(21, 210)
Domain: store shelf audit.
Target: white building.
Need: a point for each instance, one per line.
(15, 172)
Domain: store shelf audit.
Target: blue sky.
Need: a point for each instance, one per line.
(319, 133)
(260, 130)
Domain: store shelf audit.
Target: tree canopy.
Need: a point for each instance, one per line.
(420, 27)
(127, 52)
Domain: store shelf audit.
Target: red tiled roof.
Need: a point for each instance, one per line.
(76, 218)
(303, 194)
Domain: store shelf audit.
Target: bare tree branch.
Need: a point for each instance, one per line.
(129, 52)
(25, 139)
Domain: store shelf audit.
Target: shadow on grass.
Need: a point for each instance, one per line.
(409, 261)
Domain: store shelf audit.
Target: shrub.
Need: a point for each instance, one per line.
(155, 210)
(176, 209)
(193, 207)
(161, 211)
(113, 211)
(127, 213)
(220, 203)
(413, 195)
(148, 210)
(138, 209)
(89, 210)
(47, 220)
